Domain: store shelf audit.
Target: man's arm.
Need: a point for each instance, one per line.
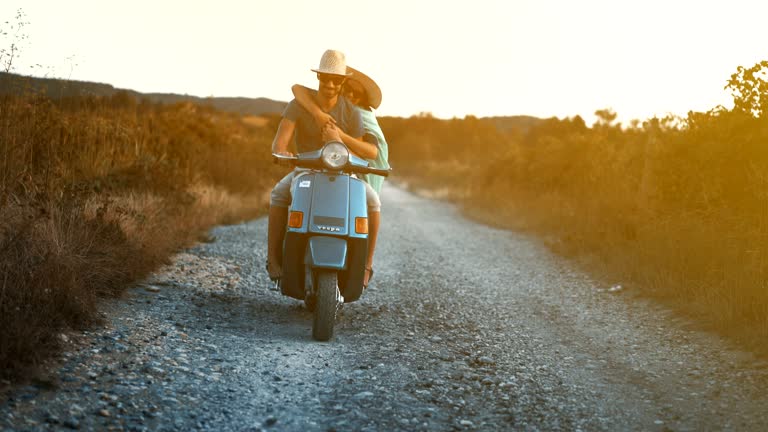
(304, 96)
(283, 137)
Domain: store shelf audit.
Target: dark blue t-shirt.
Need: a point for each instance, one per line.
(308, 136)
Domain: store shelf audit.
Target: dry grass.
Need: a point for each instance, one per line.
(673, 208)
(685, 221)
(97, 192)
(256, 121)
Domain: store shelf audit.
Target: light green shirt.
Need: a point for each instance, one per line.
(371, 126)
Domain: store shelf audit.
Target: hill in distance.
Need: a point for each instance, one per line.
(58, 88)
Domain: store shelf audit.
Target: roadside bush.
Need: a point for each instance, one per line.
(676, 207)
(97, 192)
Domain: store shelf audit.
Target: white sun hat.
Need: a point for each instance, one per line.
(372, 90)
(332, 62)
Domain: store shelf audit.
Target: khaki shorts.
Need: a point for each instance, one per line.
(281, 193)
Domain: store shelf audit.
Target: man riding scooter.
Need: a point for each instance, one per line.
(298, 124)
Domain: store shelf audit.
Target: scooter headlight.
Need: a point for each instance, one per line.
(335, 155)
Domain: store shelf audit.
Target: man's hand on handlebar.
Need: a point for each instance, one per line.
(281, 161)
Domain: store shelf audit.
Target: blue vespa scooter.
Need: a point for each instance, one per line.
(326, 240)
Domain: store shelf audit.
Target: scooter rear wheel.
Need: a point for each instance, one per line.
(327, 303)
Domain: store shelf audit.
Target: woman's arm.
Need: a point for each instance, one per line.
(305, 98)
(356, 145)
(361, 148)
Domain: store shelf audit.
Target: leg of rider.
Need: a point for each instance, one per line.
(374, 220)
(278, 219)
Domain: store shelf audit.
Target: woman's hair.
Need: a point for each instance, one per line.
(364, 98)
(364, 101)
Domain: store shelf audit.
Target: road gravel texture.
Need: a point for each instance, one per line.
(464, 327)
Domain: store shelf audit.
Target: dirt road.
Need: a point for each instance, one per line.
(465, 327)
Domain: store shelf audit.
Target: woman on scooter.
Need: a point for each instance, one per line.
(364, 93)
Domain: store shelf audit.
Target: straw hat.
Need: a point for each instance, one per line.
(372, 89)
(332, 62)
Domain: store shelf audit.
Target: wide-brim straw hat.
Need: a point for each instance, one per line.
(372, 89)
(332, 62)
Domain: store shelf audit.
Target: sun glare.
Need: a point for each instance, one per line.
(485, 58)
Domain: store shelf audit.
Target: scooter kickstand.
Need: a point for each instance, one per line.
(275, 286)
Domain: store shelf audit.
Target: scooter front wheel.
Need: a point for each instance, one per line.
(327, 303)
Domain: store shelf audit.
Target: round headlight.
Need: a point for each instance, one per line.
(335, 155)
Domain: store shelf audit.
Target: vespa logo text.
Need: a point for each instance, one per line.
(328, 228)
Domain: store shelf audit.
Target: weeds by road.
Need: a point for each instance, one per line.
(676, 207)
(97, 192)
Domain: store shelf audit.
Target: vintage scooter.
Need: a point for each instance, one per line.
(326, 239)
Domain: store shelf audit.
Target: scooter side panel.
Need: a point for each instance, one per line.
(351, 280)
(292, 282)
(295, 243)
(301, 199)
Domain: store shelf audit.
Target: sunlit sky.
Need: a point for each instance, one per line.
(536, 57)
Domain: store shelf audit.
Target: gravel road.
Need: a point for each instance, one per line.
(464, 327)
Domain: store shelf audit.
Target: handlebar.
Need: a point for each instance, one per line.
(369, 170)
(278, 157)
(313, 163)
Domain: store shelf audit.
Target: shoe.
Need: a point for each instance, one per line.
(275, 280)
(370, 278)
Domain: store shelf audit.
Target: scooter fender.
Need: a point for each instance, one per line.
(327, 253)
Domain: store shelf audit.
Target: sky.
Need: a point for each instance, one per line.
(482, 57)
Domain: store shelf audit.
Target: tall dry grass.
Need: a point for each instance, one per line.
(97, 192)
(675, 208)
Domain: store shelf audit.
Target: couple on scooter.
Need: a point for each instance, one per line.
(340, 110)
